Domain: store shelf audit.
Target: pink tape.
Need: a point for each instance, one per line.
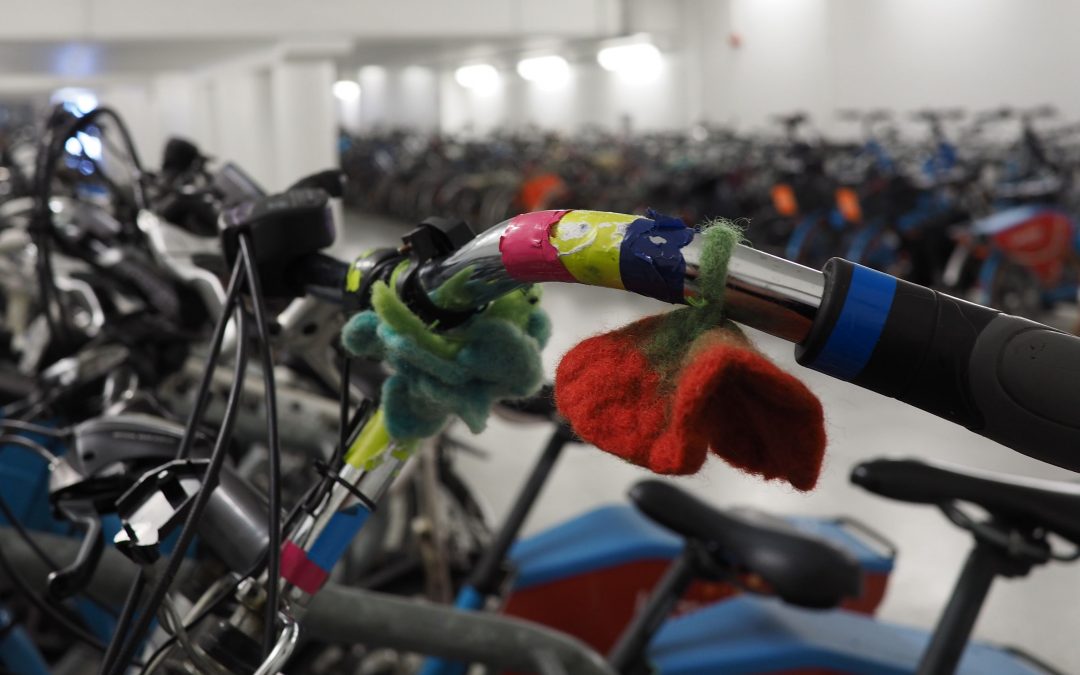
(526, 248)
(299, 571)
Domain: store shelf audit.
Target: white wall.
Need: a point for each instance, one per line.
(132, 103)
(781, 64)
(975, 53)
(241, 112)
(270, 19)
(401, 96)
(824, 55)
(811, 55)
(591, 97)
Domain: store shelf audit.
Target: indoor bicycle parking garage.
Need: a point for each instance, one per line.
(598, 337)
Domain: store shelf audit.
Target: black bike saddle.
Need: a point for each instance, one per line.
(800, 568)
(1022, 502)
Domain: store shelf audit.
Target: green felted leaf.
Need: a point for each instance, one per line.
(667, 345)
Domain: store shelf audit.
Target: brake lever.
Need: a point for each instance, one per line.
(74, 578)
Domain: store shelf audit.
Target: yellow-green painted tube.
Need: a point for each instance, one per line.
(589, 244)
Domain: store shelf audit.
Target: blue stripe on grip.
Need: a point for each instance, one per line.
(858, 328)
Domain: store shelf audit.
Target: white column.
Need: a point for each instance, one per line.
(181, 107)
(241, 107)
(132, 103)
(304, 118)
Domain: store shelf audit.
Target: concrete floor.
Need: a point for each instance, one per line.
(1038, 613)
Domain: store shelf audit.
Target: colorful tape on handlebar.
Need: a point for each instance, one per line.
(638, 254)
(309, 570)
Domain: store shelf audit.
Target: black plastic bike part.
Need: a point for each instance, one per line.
(20, 584)
(377, 266)
(154, 505)
(488, 574)
(800, 568)
(283, 228)
(1003, 377)
(46, 559)
(331, 181)
(273, 522)
(629, 655)
(235, 185)
(1051, 505)
(180, 155)
(1023, 378)
(196, 211)
(331, 476)
(319, 275)
(234, 525)
(88, 365)
(230, 647)
(433, 238)
(225, 594)
(217, 460)
(75, 577)
(954, 626)
(107, 455)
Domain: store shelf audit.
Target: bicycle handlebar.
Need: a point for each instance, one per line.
(1004, 377)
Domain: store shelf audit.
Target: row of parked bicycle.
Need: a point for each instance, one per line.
(982, 206)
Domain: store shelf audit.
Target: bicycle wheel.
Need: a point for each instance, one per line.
(1010, 287)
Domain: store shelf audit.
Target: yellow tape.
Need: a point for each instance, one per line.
(589, 245)
(372, 441)
(355, 276)
(373, 444)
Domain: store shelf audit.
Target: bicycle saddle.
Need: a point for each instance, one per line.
(1025, 502)
(800, 568)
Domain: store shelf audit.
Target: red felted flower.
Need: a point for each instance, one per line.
(660, 394)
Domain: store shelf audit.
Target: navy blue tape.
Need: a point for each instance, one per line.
(650, 258)
(858, 328)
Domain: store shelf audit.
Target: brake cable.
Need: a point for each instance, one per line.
(217, 459)
(273, 564)
(210, 606)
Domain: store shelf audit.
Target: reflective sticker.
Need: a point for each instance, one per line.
(784, 201)
(590, 245)
(847, 201)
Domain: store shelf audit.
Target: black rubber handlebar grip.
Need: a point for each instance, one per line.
(1009, 379)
